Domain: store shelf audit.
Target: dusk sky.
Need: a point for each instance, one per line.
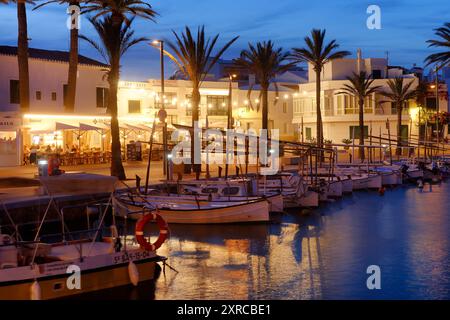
(406, 25)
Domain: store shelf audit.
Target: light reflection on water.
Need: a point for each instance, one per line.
(323, 255)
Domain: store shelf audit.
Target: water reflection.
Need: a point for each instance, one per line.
(317, 254)
(322, 255)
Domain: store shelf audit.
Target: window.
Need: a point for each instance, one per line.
(394, 108)
(284, 107)
(404, 133)
(217, 105)
(285, 128)
(355, 130)
(431, 103)
(65, 90)
(210, 190)
(53, 96)
(351, 105)
(327, 106)
(231, 191)
(169, 98)
(102, 97)
(368, 105)
(38, 95)
(172, 119)
(308, 132)
(376, 74)
(14, 95)
(340, 104)
(8, 145)
(134, 106)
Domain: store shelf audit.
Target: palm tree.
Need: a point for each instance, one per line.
(265, 62)
(442, 58)
(194, 58)
(118, 14)
(120, 10)
(73, 54)
(399, 93)
(22, 54)
(318, 54)
(112, 48)
(360, 87)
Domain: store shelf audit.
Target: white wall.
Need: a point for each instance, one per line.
(48, 77)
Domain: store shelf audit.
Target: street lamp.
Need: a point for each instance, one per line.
(162, 112)
(229, 113)
(436, 87)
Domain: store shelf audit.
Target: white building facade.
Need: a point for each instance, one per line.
(143, 100)
(340, 112)
(45, 121)
(48, 124)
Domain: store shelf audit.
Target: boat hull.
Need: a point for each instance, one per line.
(55, 286)
(309, 200)
(391, 179)
(257, 211)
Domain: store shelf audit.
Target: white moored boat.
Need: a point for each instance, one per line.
(200, 213)
(72, 264)
(157, 197)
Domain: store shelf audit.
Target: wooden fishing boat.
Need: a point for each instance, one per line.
(76, 262)
(291, 187)
(199, 213)
(366, 181)
(389, 176)
(158, 197)
(347, 184)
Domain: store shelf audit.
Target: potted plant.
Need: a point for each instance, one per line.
(328, 143)
(312, 141)
(347, 142)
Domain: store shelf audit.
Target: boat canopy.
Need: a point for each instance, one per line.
(79, 184)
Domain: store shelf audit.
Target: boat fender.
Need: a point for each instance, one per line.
(35, 291)
(133, 272)
(163, 231)
(382, 191)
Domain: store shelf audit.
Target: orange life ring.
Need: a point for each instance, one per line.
(163, 231)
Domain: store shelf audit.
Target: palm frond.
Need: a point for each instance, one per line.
(442, 58)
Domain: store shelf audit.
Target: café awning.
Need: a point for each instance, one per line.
(89, 127)
(138, 128)
(63, 126)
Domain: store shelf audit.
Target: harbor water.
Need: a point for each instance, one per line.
(317, 254)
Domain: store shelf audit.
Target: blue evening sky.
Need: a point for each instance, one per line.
(406, 25)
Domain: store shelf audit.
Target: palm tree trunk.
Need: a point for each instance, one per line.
(361, 130)
(73, 66)
(265, 107)
(197, 168)
(117, 169)
(399, 128)
(319, 113)
(22, 57)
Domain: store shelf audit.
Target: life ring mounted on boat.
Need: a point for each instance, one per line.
(163, 231)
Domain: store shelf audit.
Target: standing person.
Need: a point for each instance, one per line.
(26, 155)
(33, 154)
